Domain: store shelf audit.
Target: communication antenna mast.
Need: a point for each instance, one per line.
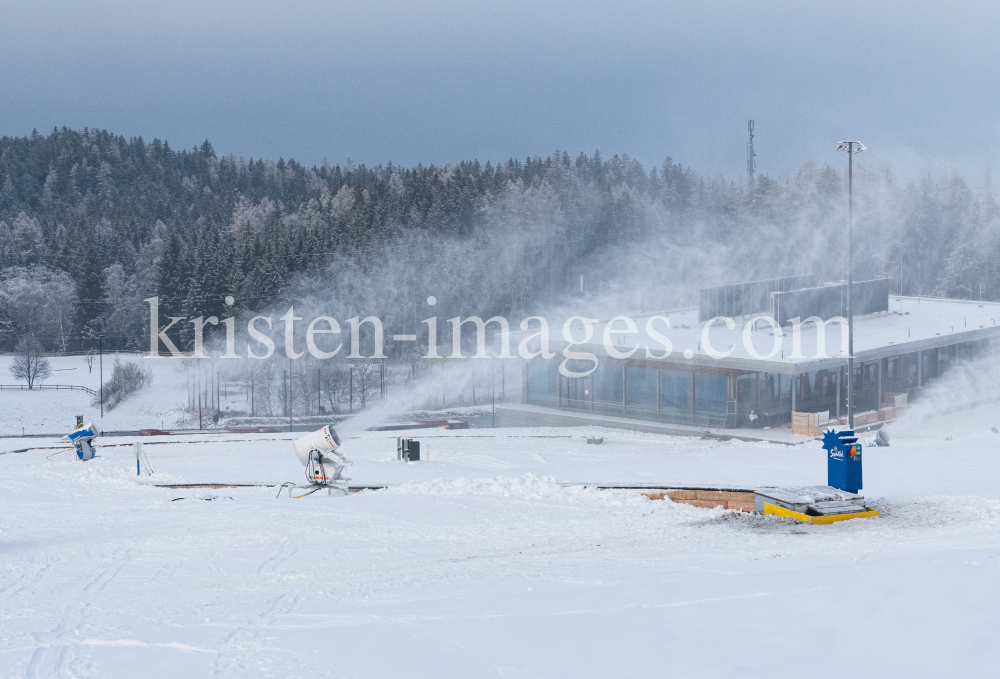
(751, 164)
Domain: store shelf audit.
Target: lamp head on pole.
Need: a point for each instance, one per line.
(858, 147)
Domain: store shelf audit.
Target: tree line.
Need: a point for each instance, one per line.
(92, 223)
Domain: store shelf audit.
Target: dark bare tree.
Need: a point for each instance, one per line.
(28, 364)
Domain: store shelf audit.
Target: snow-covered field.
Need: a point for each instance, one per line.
(161, 405)
(482, 564)
(50, 411)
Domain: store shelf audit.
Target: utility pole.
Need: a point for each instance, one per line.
(100, 350)
(751, 163)
(851, 147)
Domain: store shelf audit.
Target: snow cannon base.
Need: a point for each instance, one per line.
(84, 451)
(338, 487)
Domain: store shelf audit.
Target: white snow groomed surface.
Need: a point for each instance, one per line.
(481, 565)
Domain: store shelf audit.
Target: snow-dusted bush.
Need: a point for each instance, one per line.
(127, 377)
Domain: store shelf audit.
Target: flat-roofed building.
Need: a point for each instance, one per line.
(717, 376)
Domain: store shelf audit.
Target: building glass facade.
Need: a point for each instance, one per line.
(701, 396)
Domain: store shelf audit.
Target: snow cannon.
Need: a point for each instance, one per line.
(81, 438)
(324, 464)
(843, 461)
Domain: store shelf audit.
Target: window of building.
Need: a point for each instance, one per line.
(607, 379)
(640, 391)
(675, 393)
(710, 394)
(542, 378)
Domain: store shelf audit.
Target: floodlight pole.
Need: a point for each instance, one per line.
(100, 351)
(850, 286)
(851, 147)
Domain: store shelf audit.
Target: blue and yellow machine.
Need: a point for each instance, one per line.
(81, 438)
(843, 460)
(837, 501)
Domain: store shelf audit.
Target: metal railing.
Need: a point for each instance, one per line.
(57, 387)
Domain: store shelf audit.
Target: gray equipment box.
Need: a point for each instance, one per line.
(407, 450)
(810, 500)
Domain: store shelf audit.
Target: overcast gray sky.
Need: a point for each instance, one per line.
(445, 80)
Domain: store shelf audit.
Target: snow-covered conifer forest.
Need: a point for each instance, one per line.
(92, 223)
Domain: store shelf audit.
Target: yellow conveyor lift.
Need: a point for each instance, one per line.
(812, 504)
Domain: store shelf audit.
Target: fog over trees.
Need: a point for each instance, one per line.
(92, 223)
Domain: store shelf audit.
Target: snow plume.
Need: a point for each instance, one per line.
(569, 245)
(434, 387)
(592, 237)
(512, 239)
(964, 385)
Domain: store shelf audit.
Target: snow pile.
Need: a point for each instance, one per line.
(528, 487)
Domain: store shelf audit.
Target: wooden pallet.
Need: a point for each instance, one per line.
(810, 424)
(726, 499)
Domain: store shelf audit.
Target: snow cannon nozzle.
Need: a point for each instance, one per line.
(81, 438)
(322, 441)
(324, 465)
